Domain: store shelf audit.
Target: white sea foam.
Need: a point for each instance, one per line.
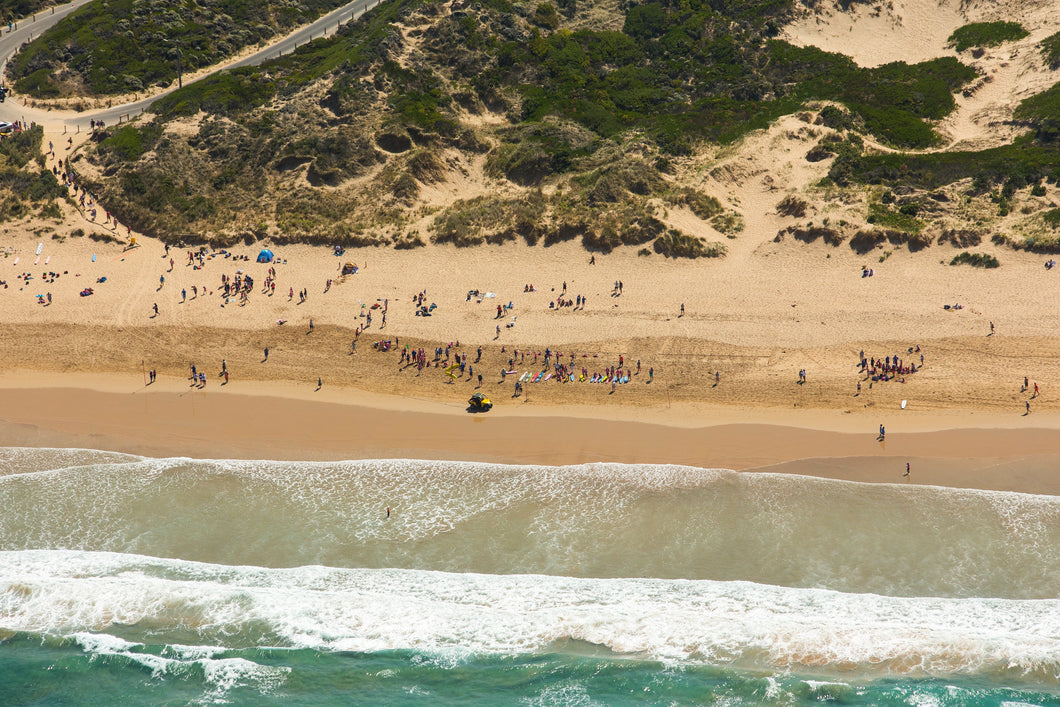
(736, 624)
(605, 520)
(221, 675)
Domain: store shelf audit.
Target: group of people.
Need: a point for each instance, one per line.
(889, 367)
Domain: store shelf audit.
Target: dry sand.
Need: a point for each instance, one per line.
(72, 372)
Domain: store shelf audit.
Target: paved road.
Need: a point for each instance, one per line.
(55, 120)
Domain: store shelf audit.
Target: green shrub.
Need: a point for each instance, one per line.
(1051, 50)
(904, 219)
(675, 244)
(51, 210)
(22, 8)
(123, 45)
(985, 34)
(545, 16)
(836, 118)
(1052, 218)
(979, 260)
(1025, 161)
(1043, 112)
(130, 142)
(20, 147)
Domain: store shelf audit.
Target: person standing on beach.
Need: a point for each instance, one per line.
(266, 353)
(155, 307)
(1028, 404)
(906, 474)
(883, 433)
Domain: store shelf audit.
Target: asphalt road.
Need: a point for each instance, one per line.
(32, 27)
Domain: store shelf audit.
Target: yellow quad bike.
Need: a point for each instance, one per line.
(479, 403)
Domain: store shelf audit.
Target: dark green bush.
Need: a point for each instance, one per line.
(14, 9)
(1051, 50)
(1052, 218)
(1025, 160)
(985, 34)
(904, 219)
(1043, 112)
(131, 141)
(123, 45)
(979, 260)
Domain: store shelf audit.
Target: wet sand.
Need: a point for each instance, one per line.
(205, 424)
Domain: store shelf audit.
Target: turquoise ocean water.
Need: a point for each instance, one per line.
(129, 580)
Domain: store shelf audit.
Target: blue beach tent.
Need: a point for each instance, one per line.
(265, 256)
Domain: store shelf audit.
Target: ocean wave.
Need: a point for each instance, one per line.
(593, 520)
(96, 596)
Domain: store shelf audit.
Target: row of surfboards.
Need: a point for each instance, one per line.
(531, 377)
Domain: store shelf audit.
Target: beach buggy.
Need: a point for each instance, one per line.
(479, 403)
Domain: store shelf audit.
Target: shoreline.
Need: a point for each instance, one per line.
(955, 450)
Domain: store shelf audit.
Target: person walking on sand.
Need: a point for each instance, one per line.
(906, 474)
(320, 382)
(991, 328)
(682, 309)
(1033, 396)
(883, 433)
(155, 307)
(266, 353)
(1028, 404)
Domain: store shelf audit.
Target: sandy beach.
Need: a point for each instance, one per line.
(747, 361)
(718, 386)
(983, 450)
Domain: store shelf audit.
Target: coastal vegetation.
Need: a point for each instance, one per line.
(1051, 50)
(582, 118)
(14, 9)
(25, 186)
(978, 260)
(986, 34)
(123, 46)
